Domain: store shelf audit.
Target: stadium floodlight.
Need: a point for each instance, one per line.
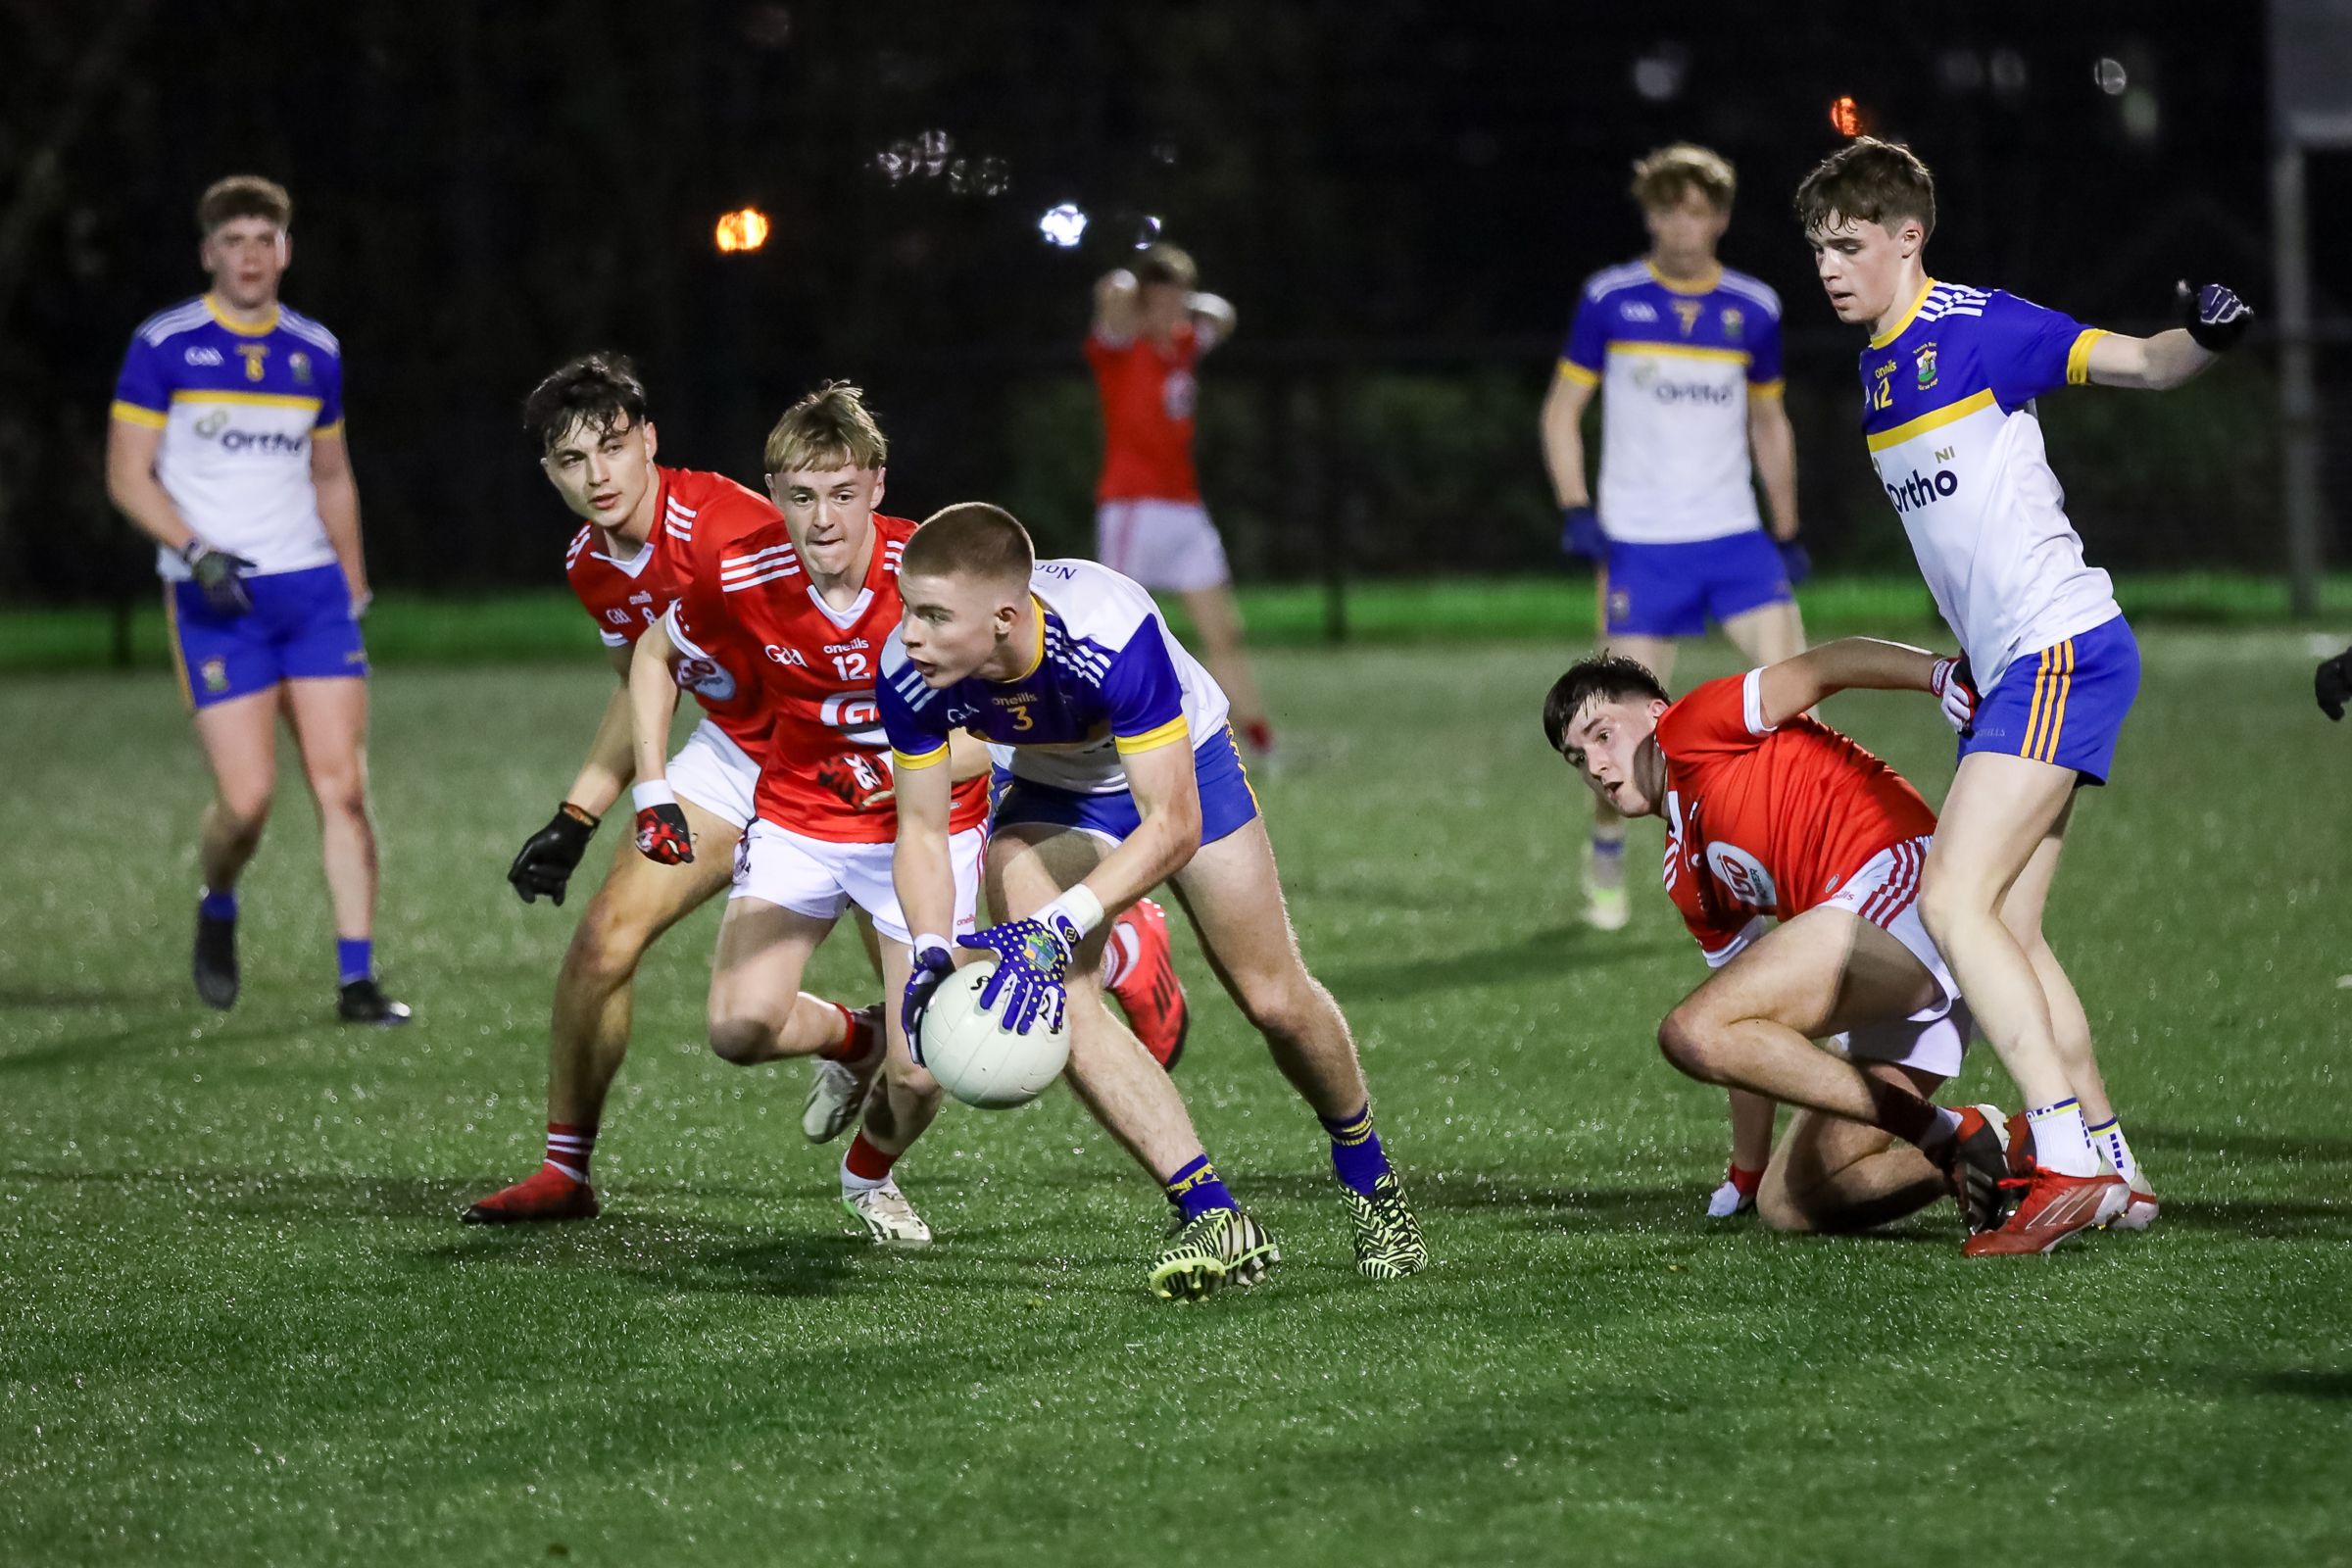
(745, 229)
(1845, 115)
(1063, 226)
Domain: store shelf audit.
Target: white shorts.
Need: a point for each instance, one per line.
(819, 878)
(716, 774)
(1168, 545)
(1886, 893)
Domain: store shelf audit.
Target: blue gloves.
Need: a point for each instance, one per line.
(2214, 315)
(932, 966)
(1032, 955)
(1581, 536)
(1795, 563)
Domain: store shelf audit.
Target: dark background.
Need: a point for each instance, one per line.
(1401, 198)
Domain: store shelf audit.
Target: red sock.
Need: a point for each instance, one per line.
(1259, 734)
(1746, 1181)
(568, 1149)
(864, 1163)
(857, 1040)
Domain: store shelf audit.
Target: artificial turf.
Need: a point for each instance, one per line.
(240, 1322)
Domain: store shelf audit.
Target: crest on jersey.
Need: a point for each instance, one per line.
(705, 678)
(1687, 312)
(1178, 393)
(1925, 362)
(300, 364)
(216, 674)
(1734, 323)
(1744, 874)
(252, 355)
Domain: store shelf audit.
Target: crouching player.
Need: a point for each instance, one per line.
(808, 601)
(1121, 772)
(1770, 813)
(629, 559)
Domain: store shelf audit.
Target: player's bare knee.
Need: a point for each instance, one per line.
(1780, 1210)
(742, 1041)
(1286, 1007)
(906, 1081)
(1687, 1038)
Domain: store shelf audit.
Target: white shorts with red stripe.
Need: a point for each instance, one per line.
(1166, 545)
(821, 878)
(1886, 893)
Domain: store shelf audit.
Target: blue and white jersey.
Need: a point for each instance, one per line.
(1106, 681)
(1676, 365)
(239, 406)
(1947, 407)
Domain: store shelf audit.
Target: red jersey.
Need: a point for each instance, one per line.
(1768, 822)
(817, 669)
(624, 597)
(1147, 395)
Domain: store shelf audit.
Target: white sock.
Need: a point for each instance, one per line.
(1116, 958)
(854, 1183)
(2061, 1144)
(2108, 1139)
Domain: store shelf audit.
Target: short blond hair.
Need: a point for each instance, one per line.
(1662, 179)
(242, 196)
(829, 428)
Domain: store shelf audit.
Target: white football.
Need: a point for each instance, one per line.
(975, 1058)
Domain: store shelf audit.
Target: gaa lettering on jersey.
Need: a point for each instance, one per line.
(237, 406)
(1677, 366)
(1949, 414)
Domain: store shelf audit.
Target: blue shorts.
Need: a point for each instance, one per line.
(1227, 802)
(2065, 704)
(1675, 590)
(300, 628)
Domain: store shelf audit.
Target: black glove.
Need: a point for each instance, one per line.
(220, 575)
(2331, 683)
(549, 857)
(1797, 564)
(1581, 537)
(2214, 315)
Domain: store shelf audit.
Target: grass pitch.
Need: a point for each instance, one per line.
(241, 1323)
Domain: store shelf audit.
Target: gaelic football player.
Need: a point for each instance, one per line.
(1772, 813)
(2332, 684)
(225, 446)
(626, 565)
(1119, 772)
(1152, 325)
(1685, 356)
(1949, 382)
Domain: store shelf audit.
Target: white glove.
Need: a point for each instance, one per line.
(1956, 688)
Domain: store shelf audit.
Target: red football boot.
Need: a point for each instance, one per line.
(1148, 990)
(2055, 1208)
(546, 1194)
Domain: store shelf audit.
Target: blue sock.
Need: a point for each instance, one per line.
(217, 905)
(1355, 1153)
(1608, 852)
(1197, 1190)
(355, 959)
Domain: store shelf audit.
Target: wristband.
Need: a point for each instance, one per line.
(1078, 908)
(653, 792)
(929, 941)
(580, 814)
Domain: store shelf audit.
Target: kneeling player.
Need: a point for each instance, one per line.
(808, 601)
(1122, 773)
(1771, 812)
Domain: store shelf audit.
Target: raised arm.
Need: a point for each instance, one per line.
(1796, 685)
(1214, 318)
(2212, 320)
(1116, 309)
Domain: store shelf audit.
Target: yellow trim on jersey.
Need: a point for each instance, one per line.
(1767, 389)
(335, 429)
(1929, 421)
(1037, 607)
(1151, 740)
(260, 400)
(1714, 280)
(132, 413)
(2078, 358)
(930, 758)
(1896, 330)
(1570, 371)
(212, 304)
(1684, 351)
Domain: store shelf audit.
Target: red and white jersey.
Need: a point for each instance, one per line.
(816, 666)
(1765, 820)
(1148, 394)
(624, 597)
